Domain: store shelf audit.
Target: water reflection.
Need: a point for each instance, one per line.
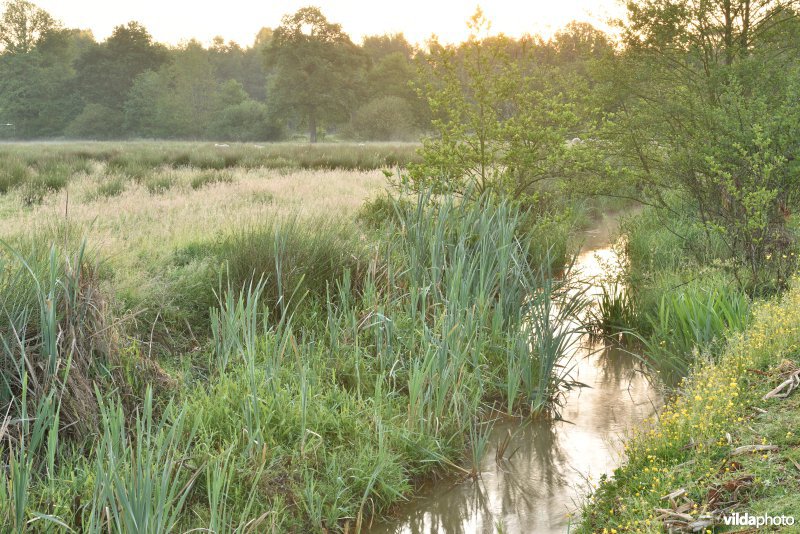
(549, 465)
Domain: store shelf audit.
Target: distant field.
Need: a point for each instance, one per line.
(138, 203)
(143, 195)
(134, 155)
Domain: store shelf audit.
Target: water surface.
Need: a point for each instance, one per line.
(549, 465)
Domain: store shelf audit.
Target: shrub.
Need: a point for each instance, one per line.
(383, 209)
(245, 121)
(96, 121)
(388, 118)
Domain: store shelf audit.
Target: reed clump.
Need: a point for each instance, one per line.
(335, 370)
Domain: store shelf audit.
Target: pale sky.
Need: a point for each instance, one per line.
(173, 21)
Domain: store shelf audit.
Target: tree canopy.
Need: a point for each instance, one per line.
(314, 68)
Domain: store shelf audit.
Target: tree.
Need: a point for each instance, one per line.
(148, 112)
(707, 123)
(23, 25)
(106, 72)
(387, 118)
(314, 69)
(247, 120)
(580, 41)
(501, 123)
(36, 74)
(96, 121)
(379, 46)
(178, 100)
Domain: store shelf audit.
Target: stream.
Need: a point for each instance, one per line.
(549, 466)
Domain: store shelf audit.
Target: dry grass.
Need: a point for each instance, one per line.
(151, 224)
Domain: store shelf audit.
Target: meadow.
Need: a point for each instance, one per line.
(283, 338)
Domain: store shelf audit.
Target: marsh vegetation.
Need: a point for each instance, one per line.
(242, 336)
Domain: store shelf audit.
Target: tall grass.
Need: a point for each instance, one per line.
(681, 298)
(693, 321)
(142, 481)
(55, 329)
(288, 256)
(614, 314)
(331, 377)
(38, 170)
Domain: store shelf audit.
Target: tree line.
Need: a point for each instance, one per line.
(305, 77)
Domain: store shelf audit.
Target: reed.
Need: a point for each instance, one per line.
(142, 481)
(693, 321)
(333, 374)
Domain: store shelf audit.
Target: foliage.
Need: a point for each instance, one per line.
(36, 95)
(688, 445)
(245, 121)
(314, 66)
(693, 322)
(105, 72)
(22, 25)
(501, 123)
(384, 119)
(55, 330)
(96, 121)
(614, 314)
(707, 111)
(325, 381)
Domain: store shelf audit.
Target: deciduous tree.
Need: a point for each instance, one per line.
(708, 122)
(314, 69)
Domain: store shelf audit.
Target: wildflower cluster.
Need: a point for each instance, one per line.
(686, 445)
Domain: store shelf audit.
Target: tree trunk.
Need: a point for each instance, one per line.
(727, 13)
(312, 127)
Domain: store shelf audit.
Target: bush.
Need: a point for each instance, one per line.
(96, 121)
(388, 118)
(382, 209)
(245, 121)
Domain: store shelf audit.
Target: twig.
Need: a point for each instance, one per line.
(789, 385)
(753, 448)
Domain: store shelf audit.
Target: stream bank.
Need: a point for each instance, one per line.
(548, 467)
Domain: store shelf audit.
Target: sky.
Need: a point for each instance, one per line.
(175, 21)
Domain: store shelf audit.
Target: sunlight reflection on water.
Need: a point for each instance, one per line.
(553, 463)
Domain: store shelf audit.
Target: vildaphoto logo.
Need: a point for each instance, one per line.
(747, 520)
